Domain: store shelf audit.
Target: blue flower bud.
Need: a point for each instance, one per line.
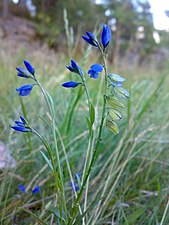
(25, 90)
(71, 84)
(24, 121)
(94, 70)
(36, 189)
(106, 35)
(91, 39)
(22, 188)
(75, 68)
(29, 67)
(74, 186)
(23, 73)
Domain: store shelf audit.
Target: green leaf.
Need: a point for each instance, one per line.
(47, 161)
(32, 214)
(114, 102)
(115, 115)
(92, 205)
(56, 213)
(112, 126)
(122, 92)
(50, 100)
(89, 125)
(116, 77)
(92, 113)
(131, 219)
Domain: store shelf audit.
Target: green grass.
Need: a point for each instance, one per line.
(129, 182)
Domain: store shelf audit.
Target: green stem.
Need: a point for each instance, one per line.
(75, 207)
(56, 149)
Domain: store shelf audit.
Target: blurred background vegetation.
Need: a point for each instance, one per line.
(135, 41)
(48, 34)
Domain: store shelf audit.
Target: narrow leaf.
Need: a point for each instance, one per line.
(50, 100)
(56, 213)
(89, 125)
(92, 113)
(132, 218)
(47, 161)
(32, 214)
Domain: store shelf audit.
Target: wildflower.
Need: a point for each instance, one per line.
(22, 188)
(25, 90)
(106, 35)
(74, 186)
(26, 73)
(94, 70)
(36, 189)
(71, 84)
(29, 67)
(23, 73)
(74, 68)
(91, 39)
(22, 126)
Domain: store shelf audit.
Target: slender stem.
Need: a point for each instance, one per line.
(97, 143)
(56, 148)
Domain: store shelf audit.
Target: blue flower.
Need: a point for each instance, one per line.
(75, 68)
(71, 84)
(36, 189)
(91, 39)
(23, 73)
(94, 70)
(106, 35)
(22, 188)
(25, 90)
(74, 186)
(22, 126)
(29, 67)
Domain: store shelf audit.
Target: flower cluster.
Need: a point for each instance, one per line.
(29, 72)
(95, 69)
(22, 125)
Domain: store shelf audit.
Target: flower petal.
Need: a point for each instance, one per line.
(97, 67)
(22, 188)
(29, 67)
(36, 189)
(93, 74)
(23, 73)
(24, 121)
(21, 129)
